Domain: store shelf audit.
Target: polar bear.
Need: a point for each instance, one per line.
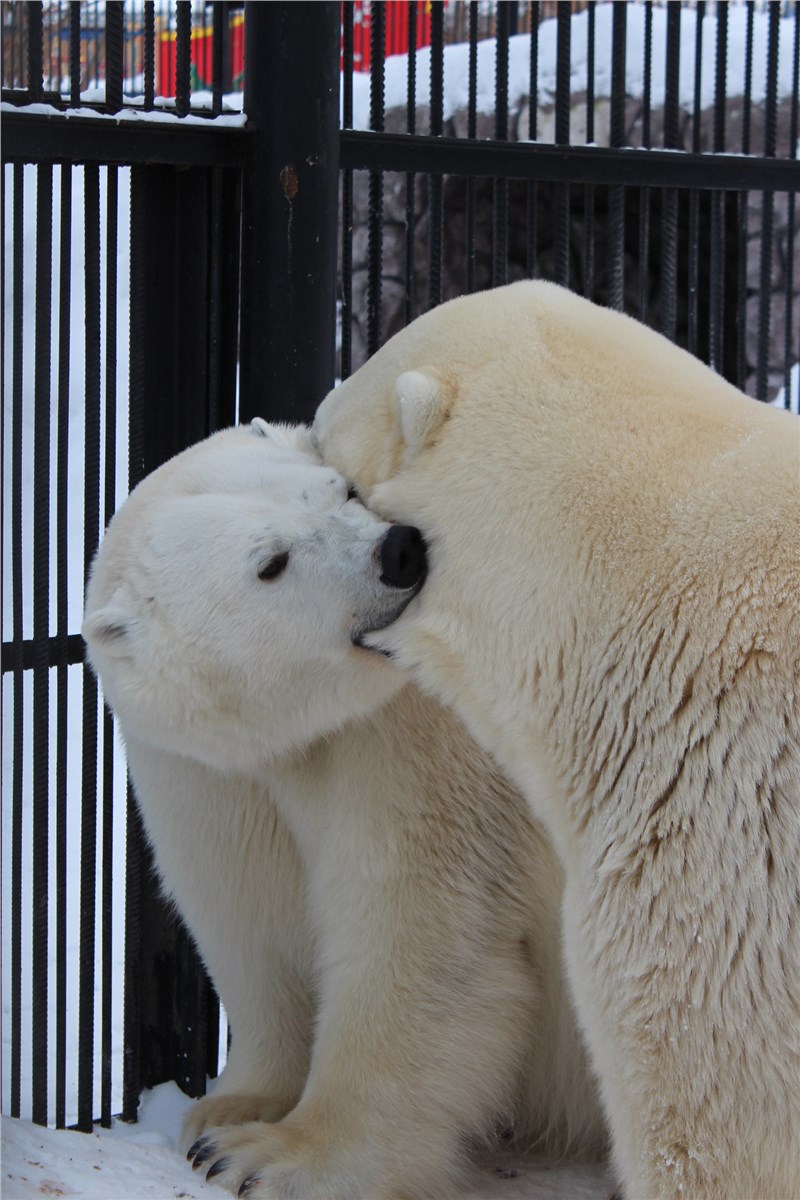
(372, 899)
(613, 607)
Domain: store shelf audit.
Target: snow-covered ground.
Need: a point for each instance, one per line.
(140, 1162)
(456, 63)
(127, 1162)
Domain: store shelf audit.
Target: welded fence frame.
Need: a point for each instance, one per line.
(723, 169)
(200, 205)
(265, 197)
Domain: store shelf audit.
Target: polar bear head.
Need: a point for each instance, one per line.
(227, 600)
(562, 462)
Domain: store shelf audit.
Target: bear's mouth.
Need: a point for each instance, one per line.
(358, 641)
(381, 617)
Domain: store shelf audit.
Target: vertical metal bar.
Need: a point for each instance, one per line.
(95, 44)
(110, 464)
(500, 186)
(128, 34)
(35, 51)
(768, 207)
(616, 194)
(15, 39)
(694, 194)
(346, 363)
(91, 184)
(168, 84)
(221, 56)
(561, 190)
(149, 53)
(435, 208)
(588, 191)
(223, 409)
(644, 193)
(17, 601)
(134, 836)
(290, 209)
(183, 56)
(62, 629)
(472, 129)
(60, 50)
(744, 248)
(41, 633)
(717, 261)
(411, 125)
(562, 108)
(215, 301)
(669, 256)
(375, 218)
(114, 40)
(532, 198)
(790, 225)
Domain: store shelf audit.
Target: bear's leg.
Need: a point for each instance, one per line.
(426, 1006)
(264, 968)
(227, 858)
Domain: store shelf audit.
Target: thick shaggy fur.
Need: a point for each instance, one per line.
(371, 897)
(613, 607)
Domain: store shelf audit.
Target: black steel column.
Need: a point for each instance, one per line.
(289, 208)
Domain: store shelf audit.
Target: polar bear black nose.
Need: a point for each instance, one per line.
(404, 558)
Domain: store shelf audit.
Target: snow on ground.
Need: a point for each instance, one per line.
(128, 1162)
(456, 63)
(140, 1162)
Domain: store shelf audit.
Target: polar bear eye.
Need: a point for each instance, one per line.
(275, 566)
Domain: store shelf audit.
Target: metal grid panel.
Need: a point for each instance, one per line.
(148, 54)
(697, 237)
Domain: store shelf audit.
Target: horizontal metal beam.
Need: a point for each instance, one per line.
(45, 138)
(61, 652)
(34, 137)
(364, 151)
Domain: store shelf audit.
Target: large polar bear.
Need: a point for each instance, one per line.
(613, 606)
(375, 905)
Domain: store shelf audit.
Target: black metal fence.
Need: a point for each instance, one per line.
(168, 267)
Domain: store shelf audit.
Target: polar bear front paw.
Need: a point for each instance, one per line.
(270, 1162)
(234, 1109)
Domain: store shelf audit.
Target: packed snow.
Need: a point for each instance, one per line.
(456, 63)
(141, 1162)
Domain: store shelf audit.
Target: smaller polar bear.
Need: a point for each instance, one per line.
(613, 606)
(377, 909)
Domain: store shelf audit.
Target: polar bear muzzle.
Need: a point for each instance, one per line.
(403, 557)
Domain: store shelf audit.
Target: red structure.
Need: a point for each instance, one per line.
(396, 28)
(202, 42)
(202, 57)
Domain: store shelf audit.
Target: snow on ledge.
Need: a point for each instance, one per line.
(126, 115)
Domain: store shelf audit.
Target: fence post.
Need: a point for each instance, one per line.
(289, 208)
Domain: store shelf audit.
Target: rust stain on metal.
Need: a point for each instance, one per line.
(289, 181)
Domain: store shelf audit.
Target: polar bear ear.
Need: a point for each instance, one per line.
(288, 437)
(421, 406)
(108, 628)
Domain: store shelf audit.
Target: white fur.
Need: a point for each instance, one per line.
(613, 607)
(373, 901)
